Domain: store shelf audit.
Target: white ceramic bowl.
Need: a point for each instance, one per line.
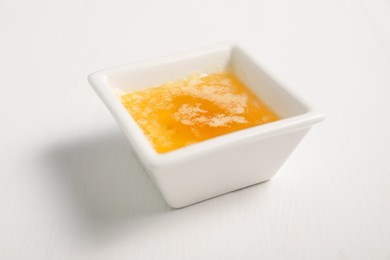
(222, 164)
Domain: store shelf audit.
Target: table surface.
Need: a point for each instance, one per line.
(71, 188)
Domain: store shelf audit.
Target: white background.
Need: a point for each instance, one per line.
(70, 187)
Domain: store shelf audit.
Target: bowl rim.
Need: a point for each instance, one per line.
(144, 148)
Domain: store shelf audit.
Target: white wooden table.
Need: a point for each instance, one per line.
(70, 187)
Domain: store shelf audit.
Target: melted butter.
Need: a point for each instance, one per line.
(199, 107)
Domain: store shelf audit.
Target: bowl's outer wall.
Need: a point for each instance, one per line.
(231, 168)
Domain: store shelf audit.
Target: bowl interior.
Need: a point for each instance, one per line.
(174, 67)
(147, 74)
(261, 84)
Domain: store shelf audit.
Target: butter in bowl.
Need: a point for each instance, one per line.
(205, 122)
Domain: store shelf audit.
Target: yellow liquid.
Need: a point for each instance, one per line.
(197, 108)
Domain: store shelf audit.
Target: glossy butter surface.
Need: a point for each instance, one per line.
(194, 109)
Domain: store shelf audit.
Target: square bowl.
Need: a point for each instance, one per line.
(218, 165)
